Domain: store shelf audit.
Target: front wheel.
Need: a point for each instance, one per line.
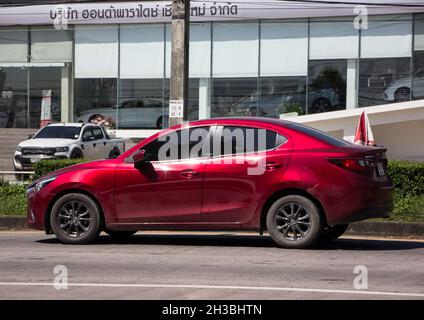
(294, 222)
(75, 219)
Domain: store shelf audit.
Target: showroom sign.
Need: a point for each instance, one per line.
(160, 11)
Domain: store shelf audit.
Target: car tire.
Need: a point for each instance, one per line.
(294, 222)
(402, 94)
(120, 235)
(330, 233)
(77, 154)
(75, 219)
(114, 153)
(320, 105)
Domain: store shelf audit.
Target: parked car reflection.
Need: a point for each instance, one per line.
(323, 100)
(131, 113)
(400, 90)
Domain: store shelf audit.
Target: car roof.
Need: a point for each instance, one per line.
(66, 124)
(239, 120)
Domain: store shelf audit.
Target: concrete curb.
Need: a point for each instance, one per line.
(375, 228)
(13, 222)
(387, 228)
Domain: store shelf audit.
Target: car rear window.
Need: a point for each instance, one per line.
(318, 134)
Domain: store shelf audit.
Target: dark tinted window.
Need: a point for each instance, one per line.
(318, 134)
(244, 139)
(87, 134)
(59, 132)
(97, 132)
(181, 144)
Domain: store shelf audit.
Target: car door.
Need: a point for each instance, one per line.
(99, 144)
(127, 114)
(238, 175)
(87, 140)
(161, 190)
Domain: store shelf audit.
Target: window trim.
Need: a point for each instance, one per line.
(212, 129)
(219, 128)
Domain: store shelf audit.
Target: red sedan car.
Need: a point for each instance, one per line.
(247, 173)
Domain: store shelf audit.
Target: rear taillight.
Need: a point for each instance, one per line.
(359, 165)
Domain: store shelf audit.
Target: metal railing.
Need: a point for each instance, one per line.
(14, 175)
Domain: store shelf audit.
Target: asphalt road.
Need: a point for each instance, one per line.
(208, 266)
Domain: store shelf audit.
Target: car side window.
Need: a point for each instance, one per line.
(98, 134)
(87, 135)
(181, 144)
(237, 140)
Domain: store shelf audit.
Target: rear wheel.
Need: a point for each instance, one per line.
(320, 105)
(75, 219)
(294, 222)
(330, 233)
(114, 153)
(402, 94)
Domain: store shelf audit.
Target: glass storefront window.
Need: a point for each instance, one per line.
(141, 103)
(94, 98)
(418, 54)
(281, 95)
(13, 99)
(44, 78)
(418, 76)
(384, 80)
(327, 85)
(234, 97)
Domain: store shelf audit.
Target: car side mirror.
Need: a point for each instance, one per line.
(30, 136)
(139, 156)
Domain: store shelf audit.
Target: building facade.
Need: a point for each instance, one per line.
(249, 58)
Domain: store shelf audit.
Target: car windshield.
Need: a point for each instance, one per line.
(320, 135)
(58, 132)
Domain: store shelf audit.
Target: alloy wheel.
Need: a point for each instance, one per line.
(293, 221)
(74, 218)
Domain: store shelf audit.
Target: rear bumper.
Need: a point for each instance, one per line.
(368, 213)
(359, 204)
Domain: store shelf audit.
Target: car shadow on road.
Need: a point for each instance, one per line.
(230, 240)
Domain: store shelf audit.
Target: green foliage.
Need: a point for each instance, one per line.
(291, 107)
(328, 77)
(12, 199)
(46, 166)
(407, 177)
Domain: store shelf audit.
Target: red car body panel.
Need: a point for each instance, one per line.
(216, 195)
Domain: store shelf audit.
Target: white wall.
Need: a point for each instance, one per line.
(404, 140)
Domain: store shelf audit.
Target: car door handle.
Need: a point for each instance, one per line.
(188, 173)
(272, 166)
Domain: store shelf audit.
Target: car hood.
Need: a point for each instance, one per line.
(46, 143)
(91, 165)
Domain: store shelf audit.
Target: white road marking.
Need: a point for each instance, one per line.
(183, 286)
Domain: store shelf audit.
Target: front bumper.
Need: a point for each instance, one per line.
(36, 210)
(26, 162)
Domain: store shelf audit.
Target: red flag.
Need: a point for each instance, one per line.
(363, 134)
